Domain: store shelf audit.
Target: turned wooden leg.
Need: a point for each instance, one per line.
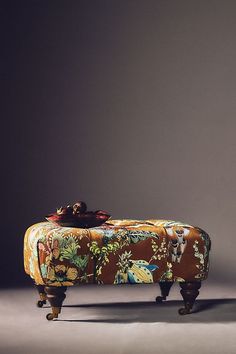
(42, 295)
(165, 287)
(55, 295)
(189, 291)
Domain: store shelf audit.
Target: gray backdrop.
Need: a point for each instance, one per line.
(128, 105)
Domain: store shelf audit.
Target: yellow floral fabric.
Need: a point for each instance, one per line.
(117, 252)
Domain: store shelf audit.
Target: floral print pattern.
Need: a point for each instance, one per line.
(133, 271)
(117, 252)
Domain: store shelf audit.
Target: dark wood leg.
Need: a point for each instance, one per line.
(42, 295)
(189, 291)
(55, 295)
(165, 287)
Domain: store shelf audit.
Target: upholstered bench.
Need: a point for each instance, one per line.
(117, 252)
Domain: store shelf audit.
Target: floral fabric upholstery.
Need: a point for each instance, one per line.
(119, 251)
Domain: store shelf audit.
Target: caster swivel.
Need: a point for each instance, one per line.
(160, 299)
(183, 311)
(54, 314)
(50, 316)
(40, 303)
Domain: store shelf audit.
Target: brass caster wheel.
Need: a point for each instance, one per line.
(184, 311)
(50, 316)
(40, 303)
(54, 314)
(160, 299)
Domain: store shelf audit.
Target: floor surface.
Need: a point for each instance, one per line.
(119, 319)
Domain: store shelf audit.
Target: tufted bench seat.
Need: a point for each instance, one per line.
(117, 252)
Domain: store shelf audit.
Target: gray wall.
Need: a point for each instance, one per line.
(128, 105)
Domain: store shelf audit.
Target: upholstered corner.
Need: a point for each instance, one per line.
(55, 255)
(31, 252)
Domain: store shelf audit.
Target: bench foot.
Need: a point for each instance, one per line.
(55, 295)
(42, 295)
(165, 287)
(189, 292)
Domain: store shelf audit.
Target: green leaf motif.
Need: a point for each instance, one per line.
(137, 236)
(69, 252)
(81, 261)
